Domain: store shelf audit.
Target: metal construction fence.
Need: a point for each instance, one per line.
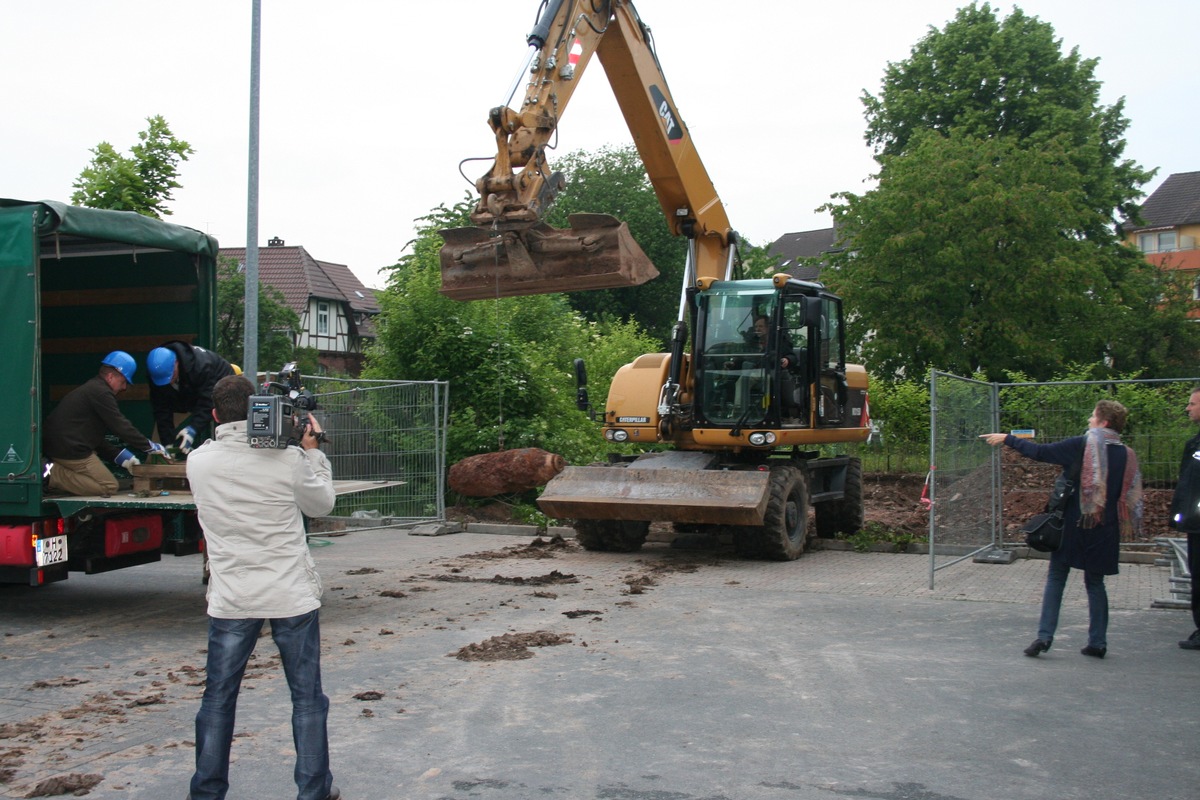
(970, 481)
(388, 432)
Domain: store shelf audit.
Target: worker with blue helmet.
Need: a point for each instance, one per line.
(161, 364)
(74, 435)
(182, 377)
(123, 363)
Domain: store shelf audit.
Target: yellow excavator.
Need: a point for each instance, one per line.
(765, 381)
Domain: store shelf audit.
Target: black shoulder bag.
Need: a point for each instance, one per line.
(1044, 532)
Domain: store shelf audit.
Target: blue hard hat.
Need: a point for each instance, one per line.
(161, 363)
(122, 362)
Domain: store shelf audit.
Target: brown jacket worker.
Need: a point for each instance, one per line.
(74, 432)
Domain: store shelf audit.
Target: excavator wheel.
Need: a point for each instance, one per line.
(784, 531)
(611, 535)
(845, 515)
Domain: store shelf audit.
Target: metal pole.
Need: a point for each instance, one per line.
(689, 269)
(997, 474)
(251, 302)
(933, 408)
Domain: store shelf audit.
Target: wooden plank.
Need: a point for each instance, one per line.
(159, 470)
(139, 295)
(136, 391)
(176, 500)
(106, 344)
(153, 478)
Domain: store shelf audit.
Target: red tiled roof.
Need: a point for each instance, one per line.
(299, 276)
(360, 297)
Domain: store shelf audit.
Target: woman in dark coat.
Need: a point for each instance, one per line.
(1106, 503)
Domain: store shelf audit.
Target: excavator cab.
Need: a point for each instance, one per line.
(751, 355)
(737, 382)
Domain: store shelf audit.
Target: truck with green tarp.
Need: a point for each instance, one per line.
(77, 283)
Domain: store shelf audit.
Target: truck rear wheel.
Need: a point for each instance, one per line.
(784, 531)
(845, 515)
(611, 535)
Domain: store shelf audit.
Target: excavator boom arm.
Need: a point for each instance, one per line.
(510, 251)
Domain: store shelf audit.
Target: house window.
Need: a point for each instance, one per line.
(322, 319)
(1161, 242)
(1196, 289)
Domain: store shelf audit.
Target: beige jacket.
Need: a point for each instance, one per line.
(250, 503)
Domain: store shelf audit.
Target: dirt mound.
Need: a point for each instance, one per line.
(894, 500)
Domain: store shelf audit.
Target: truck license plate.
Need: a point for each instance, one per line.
(51, 551)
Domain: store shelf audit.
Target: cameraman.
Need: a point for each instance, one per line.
(250, 502)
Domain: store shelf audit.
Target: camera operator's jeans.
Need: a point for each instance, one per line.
(230, 643)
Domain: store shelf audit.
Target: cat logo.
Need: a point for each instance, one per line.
(670, 120)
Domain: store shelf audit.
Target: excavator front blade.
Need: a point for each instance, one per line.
(598, 252)
(703, 496)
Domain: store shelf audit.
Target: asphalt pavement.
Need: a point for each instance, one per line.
(678, 674)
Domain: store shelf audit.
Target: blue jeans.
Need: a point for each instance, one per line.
(1093, 582)
(230, 643)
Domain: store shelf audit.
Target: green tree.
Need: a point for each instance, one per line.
(983, 77)
(509, 361)
(142, 181)
(990, 241)
(757, 262)
(613, 181)
(277, 323)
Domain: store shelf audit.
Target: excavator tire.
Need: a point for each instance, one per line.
(611, 535)
(845, 515)
(784, 531)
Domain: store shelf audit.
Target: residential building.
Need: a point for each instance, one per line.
(336, 310)
(1170, 229)
(792, 248)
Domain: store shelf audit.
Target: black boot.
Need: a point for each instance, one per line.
(1038, 647)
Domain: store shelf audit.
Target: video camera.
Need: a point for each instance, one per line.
(279, 416)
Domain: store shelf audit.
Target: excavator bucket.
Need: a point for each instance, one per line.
(705, 496)
(597, 252)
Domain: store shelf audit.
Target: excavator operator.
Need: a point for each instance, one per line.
(759, 338)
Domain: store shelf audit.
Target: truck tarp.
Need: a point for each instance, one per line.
(115, 226)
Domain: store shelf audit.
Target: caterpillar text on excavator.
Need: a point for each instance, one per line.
(764, 382)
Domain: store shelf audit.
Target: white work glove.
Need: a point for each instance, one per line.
(184, 439)
(126, 459)
(157, 449)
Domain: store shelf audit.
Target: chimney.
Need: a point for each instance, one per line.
(274, 241)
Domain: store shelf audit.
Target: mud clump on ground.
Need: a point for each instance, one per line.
(552, 578)
(510, 646)
(538, 548)
(74, 784)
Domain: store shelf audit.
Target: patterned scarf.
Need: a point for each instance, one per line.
(1093, 483)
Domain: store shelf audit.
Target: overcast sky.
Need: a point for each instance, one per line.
(368, 107)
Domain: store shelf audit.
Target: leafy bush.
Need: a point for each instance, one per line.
(873, 533)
